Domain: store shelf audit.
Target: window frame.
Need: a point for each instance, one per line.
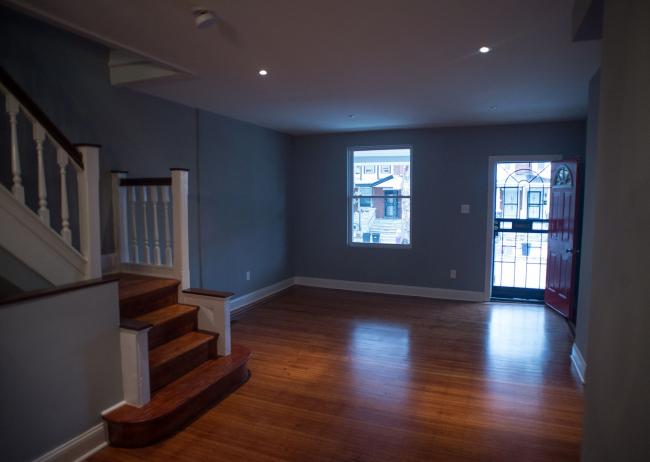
(350, 197)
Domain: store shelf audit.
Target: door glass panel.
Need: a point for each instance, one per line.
(521, 229)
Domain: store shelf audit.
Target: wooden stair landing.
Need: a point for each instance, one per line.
(186, 375)
(180, 402)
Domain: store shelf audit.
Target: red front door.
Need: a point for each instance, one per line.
(563, 234)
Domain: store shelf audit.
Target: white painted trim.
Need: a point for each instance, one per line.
(38, 246)
(148, 270)
(213, 316)
(89, 222)
(46, 16)
(492, 162)
(78, 448)
(134, 349)
(108, 410)
(109, 263)
(236, 303)
(394, 289)
(120, 218)
(180, 223)
(578, 362)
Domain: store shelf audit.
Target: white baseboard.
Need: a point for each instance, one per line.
(113, 407)
(578, 362)
(78, 448)
(393, 289)
(238, 303)
(81, 446)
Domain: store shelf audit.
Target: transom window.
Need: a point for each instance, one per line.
(379, 196)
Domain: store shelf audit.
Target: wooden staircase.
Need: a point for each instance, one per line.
(186, 375)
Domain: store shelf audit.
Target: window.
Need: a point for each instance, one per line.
(366, 197)
(379, 207)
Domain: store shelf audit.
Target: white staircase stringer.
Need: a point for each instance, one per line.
(23, 234)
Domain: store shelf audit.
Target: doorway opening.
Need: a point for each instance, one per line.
(521, 222)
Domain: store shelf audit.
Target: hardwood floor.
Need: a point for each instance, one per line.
(345, 376)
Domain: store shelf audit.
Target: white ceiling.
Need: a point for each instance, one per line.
(392, 63)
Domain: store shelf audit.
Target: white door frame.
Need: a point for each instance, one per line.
(489, 248)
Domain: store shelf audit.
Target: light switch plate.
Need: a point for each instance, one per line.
(464, 208)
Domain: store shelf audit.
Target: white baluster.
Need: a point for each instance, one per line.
(153, 191)
(168, 242)
(39, 138)
(62, 160)
(145, 228)
(13, 108)
(133, 200)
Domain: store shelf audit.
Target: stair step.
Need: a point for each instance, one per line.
(169, 323)
(179, 356)
(142, 294)
(180, 402)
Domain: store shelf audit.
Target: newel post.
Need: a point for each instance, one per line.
(181, 265)
(134, 346)
(89, 226)
(120, 217)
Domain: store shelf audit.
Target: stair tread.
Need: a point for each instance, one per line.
(135, 285)
(182, 390)
(167, 313)
(177, 347)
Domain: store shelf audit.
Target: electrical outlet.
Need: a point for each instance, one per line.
(248, 275)
(452, 274)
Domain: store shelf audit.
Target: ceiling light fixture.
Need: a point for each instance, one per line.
(263, 72)
(203, 17)
(485, 49)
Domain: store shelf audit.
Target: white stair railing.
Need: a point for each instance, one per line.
(140, 211)
(84, 263)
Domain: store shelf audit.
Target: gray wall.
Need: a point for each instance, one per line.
(60, 366)
(617, 394)
(67, 76)
(21, 276)
(450, 167)
(588, 210)
(243, 195)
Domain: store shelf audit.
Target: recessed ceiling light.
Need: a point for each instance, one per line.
(263, 72)
(485, 49)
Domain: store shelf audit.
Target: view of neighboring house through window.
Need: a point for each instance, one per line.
(379, 196)
(521, 219)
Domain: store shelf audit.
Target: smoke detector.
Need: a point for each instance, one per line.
(203, 17)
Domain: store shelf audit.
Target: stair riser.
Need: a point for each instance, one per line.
(145, 433)
(142, 304)
(169, 371)
(172, 329)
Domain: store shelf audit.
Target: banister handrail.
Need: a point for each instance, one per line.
(39, 116)
(162, 181)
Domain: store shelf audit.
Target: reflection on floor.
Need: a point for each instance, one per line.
(345, 376)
